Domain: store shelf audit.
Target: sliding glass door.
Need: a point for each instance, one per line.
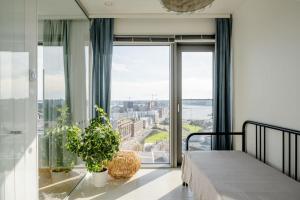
(140, 100)
(195, 92)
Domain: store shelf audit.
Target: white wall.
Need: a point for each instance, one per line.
(266, 42)
(182, 26)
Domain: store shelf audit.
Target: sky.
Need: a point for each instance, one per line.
(142, 73)
(50, 59)
(197, 68)
(138, 73)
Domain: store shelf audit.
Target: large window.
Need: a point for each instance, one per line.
(140, 100)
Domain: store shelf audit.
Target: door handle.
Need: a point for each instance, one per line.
(15, 132)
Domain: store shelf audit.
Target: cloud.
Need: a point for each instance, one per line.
(122, 90)
(119, 67)
(193, 88)
(54, 87)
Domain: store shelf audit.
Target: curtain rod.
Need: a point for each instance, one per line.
(162, 38)
(161, 15)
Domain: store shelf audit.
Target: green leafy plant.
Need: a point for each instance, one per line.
(61, 160)
(97, 145)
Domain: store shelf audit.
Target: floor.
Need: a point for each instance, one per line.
(58, 188)
(147, 184)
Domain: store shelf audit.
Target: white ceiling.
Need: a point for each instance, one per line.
(59, 9)
(127, 8)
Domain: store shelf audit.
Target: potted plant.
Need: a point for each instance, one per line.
(96, 146)
(61, 161)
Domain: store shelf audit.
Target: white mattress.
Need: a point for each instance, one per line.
(233, 175)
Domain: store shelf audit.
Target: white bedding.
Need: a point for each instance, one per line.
(233, 175)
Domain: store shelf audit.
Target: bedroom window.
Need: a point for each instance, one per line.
(196, 65)
(140, 100)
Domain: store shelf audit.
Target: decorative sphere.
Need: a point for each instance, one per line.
(124, 165)
(186, 6)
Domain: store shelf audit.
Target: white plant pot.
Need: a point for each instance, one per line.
(99, 179)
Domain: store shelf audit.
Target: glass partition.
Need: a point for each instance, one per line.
(63, 90)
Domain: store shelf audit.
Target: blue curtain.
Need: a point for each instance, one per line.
(102, 46)
(222, 85)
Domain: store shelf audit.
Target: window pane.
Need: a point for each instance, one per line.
(54, 72)
(51, 97)
(197, 88)
(140, 100)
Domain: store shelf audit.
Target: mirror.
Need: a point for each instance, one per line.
(63, 91)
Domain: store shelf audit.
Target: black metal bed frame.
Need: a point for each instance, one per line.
(260, 142)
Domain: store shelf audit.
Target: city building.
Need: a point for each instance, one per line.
(129, 127)
(125, 127)
(138, 127)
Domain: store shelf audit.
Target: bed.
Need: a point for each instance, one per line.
(237, 175)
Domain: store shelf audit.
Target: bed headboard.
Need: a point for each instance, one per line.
(260, 143)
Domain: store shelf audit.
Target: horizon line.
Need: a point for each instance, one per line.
(159, 99)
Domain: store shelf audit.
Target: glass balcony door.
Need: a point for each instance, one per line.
(195, 92)
(140, 100)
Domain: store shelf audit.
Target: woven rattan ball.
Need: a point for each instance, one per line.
(124, 165)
